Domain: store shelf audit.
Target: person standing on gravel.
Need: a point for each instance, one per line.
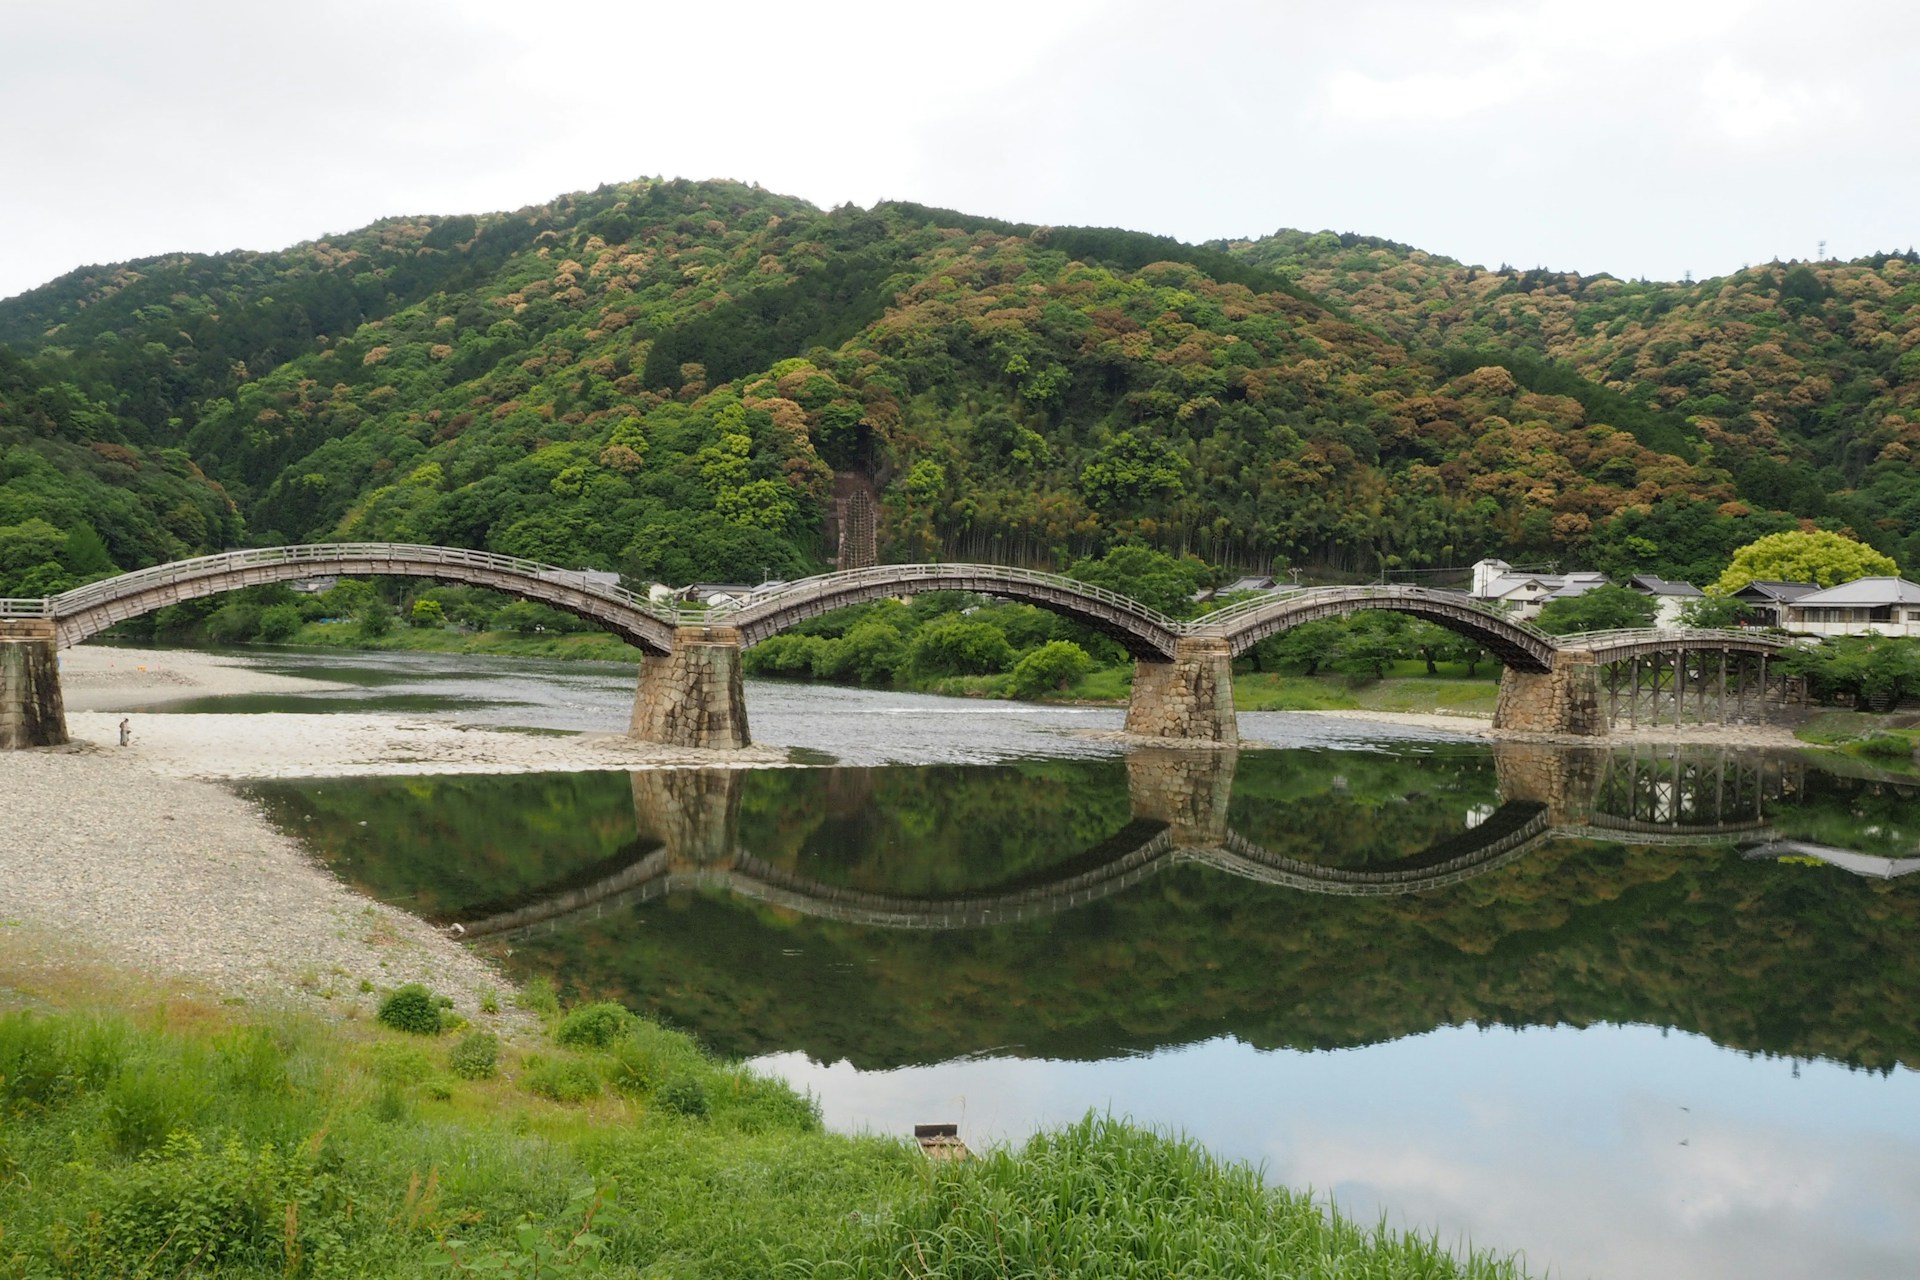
(126, 731)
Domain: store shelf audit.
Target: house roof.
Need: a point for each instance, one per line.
(1657, 586)
(1775, 592)
(1863, 592)
(1552, 583)
(1576, 586)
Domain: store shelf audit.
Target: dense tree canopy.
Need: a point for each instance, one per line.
(1827, 559)
(660, 376)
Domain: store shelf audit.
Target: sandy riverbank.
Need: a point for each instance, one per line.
(100, 678)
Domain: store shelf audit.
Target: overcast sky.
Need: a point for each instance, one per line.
(1640, 137)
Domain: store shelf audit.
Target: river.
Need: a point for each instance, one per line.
(1632, 1012)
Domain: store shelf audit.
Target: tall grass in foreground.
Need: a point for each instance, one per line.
(183, 1143)
(1104, 1198)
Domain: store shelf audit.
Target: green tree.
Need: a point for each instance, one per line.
(1715, 611)
(1374, 641)
(376, 619)
(427, 615)
(1307, 649)
(958, 646)
(1828, 559)
(1605, 608)
(1153, 578)
(279, 623)
(1053, 666)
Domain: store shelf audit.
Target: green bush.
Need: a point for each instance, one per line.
(594, 1026)
(1054, 665)
(411, 1008)
(564, 1080)
(280, 622)
(47, 1063)
(185, 1209)
(1887, 746)
(648, 1056)
(1103, 1198)
(476, 1057)
(685, 1096)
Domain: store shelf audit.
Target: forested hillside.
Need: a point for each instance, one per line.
(660, 377)
(1804, 378)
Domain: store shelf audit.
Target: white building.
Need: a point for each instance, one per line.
(1668, 597)
(1525, 594)
(1889, 606)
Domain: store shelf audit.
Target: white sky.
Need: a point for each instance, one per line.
(1641, 137)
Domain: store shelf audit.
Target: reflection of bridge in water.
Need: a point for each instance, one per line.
(1666, 795)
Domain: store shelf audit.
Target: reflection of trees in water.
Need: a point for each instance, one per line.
(1783, 958)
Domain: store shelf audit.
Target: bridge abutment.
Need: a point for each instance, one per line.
(1565, 700)
(32, 712)
(1190, 697)
(693, 696)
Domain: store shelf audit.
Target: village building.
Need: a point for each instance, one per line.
(1767, 601)
(1888, 606)
(1669, 598)
(1524, 594)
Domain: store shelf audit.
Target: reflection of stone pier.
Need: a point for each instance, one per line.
(1562, 778)
(1185, 791)
(693, 813)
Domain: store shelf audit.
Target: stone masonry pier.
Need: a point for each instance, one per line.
(1564, 700)
(693, 697)
(32, 713)
(1189, 698)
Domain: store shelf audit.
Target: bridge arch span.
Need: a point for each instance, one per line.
(1516, 644)
(87, 611)
(1145, 633)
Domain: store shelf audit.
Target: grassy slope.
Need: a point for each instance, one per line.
(176, 1136)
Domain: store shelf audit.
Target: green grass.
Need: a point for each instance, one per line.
(1406, 689)
(1889, 741)
(180, 1140)
(1104, 1198)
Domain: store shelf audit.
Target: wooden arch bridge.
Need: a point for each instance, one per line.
(690, 691)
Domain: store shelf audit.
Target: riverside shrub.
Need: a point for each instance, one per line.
(594, 1026)
(476, 1057)
(413, 1009)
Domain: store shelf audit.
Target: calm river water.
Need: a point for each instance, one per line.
(1632, 1013)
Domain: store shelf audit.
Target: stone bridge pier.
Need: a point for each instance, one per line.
(32, 712)
(1564, 700)
(1189, 698)
(693, 697)
(1564, 779)
(1188, 791)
